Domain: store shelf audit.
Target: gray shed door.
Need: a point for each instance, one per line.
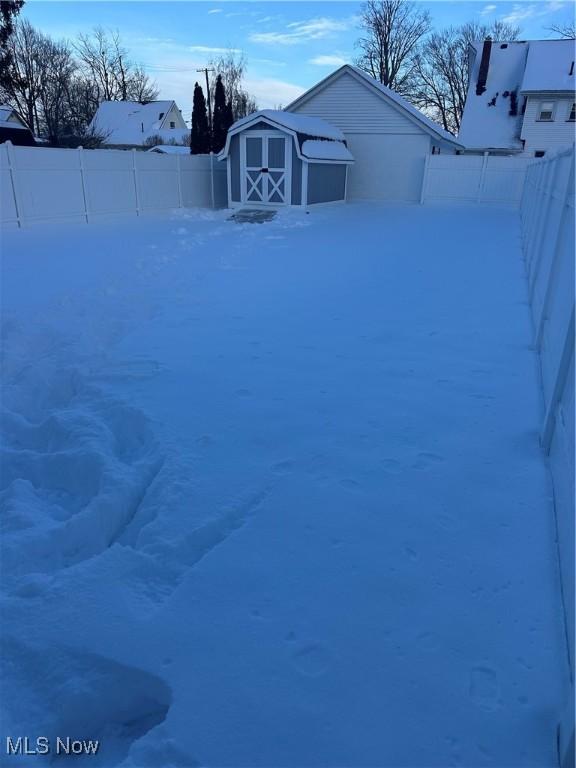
(265, 168)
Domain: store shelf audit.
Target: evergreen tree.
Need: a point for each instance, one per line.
(200, 139)
(219, 127)
(9, 9)
(229, 117)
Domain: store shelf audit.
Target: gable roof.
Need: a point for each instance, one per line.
(308, 133)
(9, 118)
(486, 122)
(549, 66)
(520, 66)
(129, 122)
(390, 96)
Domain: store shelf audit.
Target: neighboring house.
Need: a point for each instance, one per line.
(276, 158)
(170, 149)
(12, 128)
(130, 124)
(388, 138)
(520, 99)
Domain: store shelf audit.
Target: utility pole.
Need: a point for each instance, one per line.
(206, 70)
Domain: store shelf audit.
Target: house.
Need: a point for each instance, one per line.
(170, 149)
(131, 124)
(520, 97)
(388, 138)
(13, 128)
(275, 158)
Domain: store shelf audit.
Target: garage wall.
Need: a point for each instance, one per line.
(389, 148)
(387, 166)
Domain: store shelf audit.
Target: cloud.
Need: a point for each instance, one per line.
(215, 10)
(488, 9)
(269, 93)
(522, 11)
(303, 31)
(328, 61)
(211, 49)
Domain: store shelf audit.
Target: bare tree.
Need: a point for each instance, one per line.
(393, 32)
(566, 31)
(9, 9)
(441, 70)
(21, 84)
(104, 61)
(231, 67)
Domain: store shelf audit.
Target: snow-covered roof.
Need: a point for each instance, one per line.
(487, 122)
(326, 150)
(9, 118)
(311, 126)
(170, 149)
(128, 122)
(549, 66)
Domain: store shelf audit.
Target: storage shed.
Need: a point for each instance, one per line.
(276, 158)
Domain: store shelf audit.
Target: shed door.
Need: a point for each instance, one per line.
(265, 168)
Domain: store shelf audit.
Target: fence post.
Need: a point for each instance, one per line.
(14, 184)
(212, 180)
(81, 164)
(482, 175)
(179, 172)
(135, 174)
(425, 180)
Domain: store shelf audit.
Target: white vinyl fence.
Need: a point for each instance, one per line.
(547, 213)
(487, 179)
(44, 184)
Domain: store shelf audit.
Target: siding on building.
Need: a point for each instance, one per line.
(350, 106)
(546, 135)
(326, 183)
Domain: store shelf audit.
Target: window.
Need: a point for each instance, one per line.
(161, 115)
(539, 153)
(572, 115)
(546, 111)
(172, 125)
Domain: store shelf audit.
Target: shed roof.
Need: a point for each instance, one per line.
(326, 150)
(9, 118)
(311, 126)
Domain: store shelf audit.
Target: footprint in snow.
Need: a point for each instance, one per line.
(426, 460)
(311, 660)
(283, 467)
(484, 689)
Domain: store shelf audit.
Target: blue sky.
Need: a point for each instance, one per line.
(289, 46)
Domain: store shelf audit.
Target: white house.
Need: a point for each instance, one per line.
(520, 97)
(130, 124)
(13, 128)
(388, 138)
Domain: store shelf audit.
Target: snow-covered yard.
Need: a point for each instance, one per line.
(273, 494)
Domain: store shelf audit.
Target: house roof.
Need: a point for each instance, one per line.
(128, 122)
(170, 149)
(309, 132)
(549, 66)
(9, 118)
(486, 122)
(534, 66)
(388, 94)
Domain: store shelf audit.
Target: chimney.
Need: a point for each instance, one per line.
(484, 64)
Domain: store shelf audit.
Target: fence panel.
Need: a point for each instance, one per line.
(457, 179)
(547, 214)
(44, 184)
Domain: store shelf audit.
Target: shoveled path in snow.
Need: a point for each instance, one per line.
(309, 522)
